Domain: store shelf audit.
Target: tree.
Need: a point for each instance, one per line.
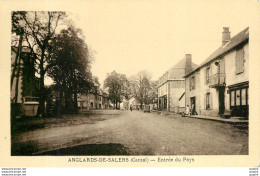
(153, 93)
(39, 30)
(70, 70)
(117, 87)
(141, 87)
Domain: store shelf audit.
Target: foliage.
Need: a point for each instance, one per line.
(117, 85)
(71, 66)
(143, 90)
(38, 30)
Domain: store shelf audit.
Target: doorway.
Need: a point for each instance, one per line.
(193, 105)
(221, 100)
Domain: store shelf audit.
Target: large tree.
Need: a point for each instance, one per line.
(71, 67)
(39, 30)
(117, 87)
(141, 87)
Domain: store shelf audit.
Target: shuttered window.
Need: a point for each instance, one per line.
(192, 83)
(240, 61)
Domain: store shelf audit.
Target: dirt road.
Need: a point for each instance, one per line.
(134, 133)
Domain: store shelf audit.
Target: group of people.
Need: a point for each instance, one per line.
(189, 111)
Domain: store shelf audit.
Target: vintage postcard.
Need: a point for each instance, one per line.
(165, 83)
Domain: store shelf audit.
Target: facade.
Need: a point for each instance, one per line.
(219, 86)
(135, 104)
(125, 104)
(93, 101)
(171, 86)
(23, 82)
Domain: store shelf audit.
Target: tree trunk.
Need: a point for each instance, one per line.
(17, 80)
(75, 94)
(41, 111)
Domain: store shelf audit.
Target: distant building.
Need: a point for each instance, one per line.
(90, 101)
(125, 104)
(220, 85)
(135, 104)
(171, 86)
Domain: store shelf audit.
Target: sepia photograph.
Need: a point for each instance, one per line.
(131, 81)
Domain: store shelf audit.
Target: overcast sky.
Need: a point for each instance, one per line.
(130, 36)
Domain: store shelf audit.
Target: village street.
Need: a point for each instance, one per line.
(118, 132)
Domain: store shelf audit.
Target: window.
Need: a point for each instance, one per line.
(232, 95)
(240, 61)
(192, 83)
(239, 97)
(207, 75)
(208, 101)
(243, 96)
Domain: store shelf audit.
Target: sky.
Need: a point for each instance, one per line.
(130, 36)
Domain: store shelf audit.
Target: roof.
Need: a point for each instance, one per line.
(241, 37)
(176, 72)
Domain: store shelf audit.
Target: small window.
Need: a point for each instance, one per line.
(240, 61)
(192, 83)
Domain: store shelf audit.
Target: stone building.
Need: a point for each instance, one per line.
(90, 101)
(220, 84)
(23, 81)
(171, 86)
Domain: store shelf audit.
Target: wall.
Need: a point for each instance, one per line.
(177, 88)
(204, 89)
(231, 76)
(19, 97)
(195, 92)
(163, 89)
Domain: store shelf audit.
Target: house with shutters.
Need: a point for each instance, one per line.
(171, 86)
(220, 84)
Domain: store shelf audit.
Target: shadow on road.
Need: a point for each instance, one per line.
(89, 149)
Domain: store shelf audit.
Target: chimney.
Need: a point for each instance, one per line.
(225, 35)
(188, 67)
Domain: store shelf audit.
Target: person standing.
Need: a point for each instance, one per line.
(187, 110)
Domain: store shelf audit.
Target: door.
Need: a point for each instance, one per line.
(193, 105)
(221, 99)
(165, 102)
